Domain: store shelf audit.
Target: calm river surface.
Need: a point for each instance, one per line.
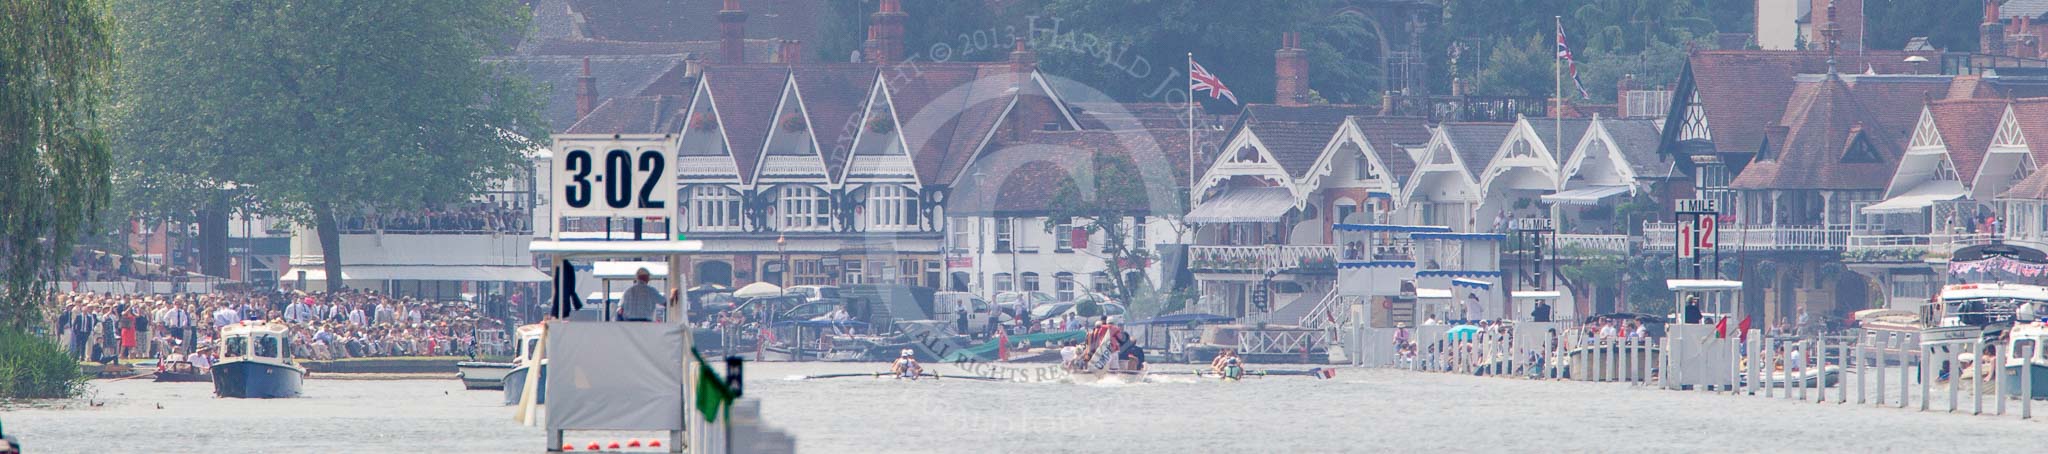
(1359, 411)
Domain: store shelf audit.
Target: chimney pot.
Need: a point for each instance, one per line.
(885, 34)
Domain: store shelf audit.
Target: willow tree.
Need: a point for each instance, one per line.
(324, 108)
(53, 156)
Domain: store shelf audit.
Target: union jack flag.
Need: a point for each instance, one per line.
(1565, 52)
(1199, 79)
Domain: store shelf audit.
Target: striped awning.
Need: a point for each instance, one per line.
(1244, 205)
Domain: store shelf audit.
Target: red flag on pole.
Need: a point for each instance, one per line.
(1721, 328)
(1743, 328)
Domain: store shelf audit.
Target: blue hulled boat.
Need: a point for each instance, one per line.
(2024, 351)
(256, 362)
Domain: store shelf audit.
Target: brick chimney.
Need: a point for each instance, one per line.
(1830, 32)
(2020, 40)
(732, 33)
(1622, 86)
(1290, 71)
(789, 52)
(586, 91)
(1991, 33)
(885, 34)
(1023, 60)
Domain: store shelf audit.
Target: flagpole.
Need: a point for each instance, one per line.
(1557, 75)
(1191, 130)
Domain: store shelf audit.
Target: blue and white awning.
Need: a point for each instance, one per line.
(1471, 284)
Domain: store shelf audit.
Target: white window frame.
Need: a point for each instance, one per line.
(1063, 238)
(891, 207)
(1004, 282)
(1064, 287)
(1030, 282)
(1004, 233)
(714, 209)
(800, 208)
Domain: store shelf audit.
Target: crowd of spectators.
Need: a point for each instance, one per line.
(470, 218)
(94, 266)
(103, 327)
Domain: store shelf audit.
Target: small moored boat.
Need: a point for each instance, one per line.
(482, 374)
(2024, 350)
(256, 362)
(529, 358)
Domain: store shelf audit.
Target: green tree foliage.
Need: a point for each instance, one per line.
(1947, 24)
(32, 367)
(1112, 198)
(1609, 39)
(53, 154)
(1104, 44)
(325, 107)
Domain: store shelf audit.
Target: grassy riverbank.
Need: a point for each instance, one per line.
(32, 367)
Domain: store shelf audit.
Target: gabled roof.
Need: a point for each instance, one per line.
(635, 115)
(1390, 136)
(2032, 115)
(835, 97)
(745, 96)
(1637, 141)
(1295, 135)
(1966, 127)
(1822, 124)
(1742, 89)
(1547, 129)
(1476, 143)
(947, 109)
(1022, 174)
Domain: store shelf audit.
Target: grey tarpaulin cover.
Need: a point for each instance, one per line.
(1699, 357)
(615, 376)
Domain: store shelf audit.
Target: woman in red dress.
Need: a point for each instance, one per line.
(127, 322)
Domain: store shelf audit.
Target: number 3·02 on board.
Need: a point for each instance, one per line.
(613, 182)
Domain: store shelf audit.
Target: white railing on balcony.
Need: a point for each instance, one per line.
(1596, 242)
(1659, 236)
(1924, 242)
(1261, 259)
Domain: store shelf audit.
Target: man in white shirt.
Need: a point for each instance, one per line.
(225, 316)
(384, 314)
(356, 317)
(179, 321)
(298, 312)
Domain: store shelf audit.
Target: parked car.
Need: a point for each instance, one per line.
(814, 292)
(1013, 301)
(947, 305)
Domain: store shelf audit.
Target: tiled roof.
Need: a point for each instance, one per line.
(1389, 136)
(1637, 141)
(2033, 187)
(555, 77)
(1574, 129)
(946, 109)
(2028, 8)
(1741, 89)
(695, 20)
(1476, 143)
(635, 115)
(746, 97)
(835, 97)
(2032, 116)
(1966, 126)
(1019, 176)
(1295, 135)
(1819, 124)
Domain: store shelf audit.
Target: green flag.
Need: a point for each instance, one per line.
(712, 393)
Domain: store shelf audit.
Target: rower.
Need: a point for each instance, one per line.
(1228, 364)
(906, 366)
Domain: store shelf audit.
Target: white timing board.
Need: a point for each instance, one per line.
(612, 179)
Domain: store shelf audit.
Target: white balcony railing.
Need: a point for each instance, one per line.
(1659, 236)
(1594, 242)
(1261, 259)
(1903, 247)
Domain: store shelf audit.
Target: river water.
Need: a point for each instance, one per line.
(1359, 411)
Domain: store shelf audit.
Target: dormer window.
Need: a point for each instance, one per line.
(891, 207)
(802, 208)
